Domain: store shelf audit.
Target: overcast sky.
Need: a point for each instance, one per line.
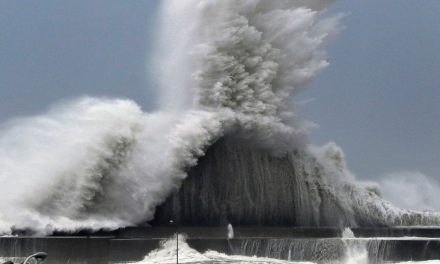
(379, 99)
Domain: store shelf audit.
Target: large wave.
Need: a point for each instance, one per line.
(247, 58)
(96, 164)
(225, 66)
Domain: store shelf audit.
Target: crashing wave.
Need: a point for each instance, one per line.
(226, 67)
(240, 183)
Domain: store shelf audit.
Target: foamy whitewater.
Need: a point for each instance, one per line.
(356, 253)
(225, 66)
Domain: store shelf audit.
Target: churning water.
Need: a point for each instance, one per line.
(355, 252)
(225, 67)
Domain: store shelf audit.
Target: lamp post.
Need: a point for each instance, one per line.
(39, 257)
(177, 239)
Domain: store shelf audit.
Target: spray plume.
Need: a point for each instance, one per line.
(225, 66)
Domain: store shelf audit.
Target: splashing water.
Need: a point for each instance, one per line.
(356, 252)
(99, 163)
(96, 163)
(167, 254)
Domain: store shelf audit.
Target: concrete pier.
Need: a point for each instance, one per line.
(132, 244)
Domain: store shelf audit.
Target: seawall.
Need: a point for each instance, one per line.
(310, 244)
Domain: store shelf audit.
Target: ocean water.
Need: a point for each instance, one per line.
(356, 253)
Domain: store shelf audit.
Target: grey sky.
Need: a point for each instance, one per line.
(379, 99)
(54, 49)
